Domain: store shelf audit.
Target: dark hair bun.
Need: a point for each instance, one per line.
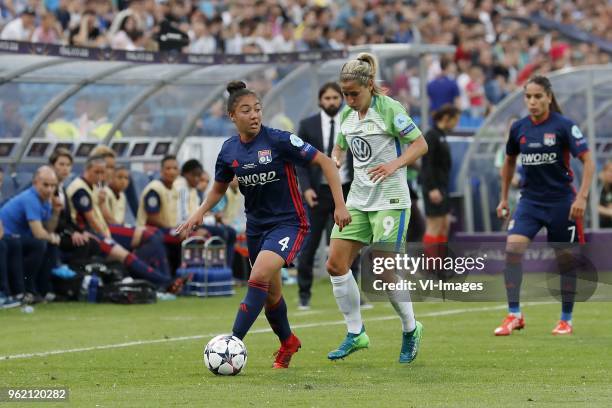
(235, 86)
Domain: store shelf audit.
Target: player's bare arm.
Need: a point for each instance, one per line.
(507, 172)
(93, 223)
(341, 215)
(579, 205)
(338, 156)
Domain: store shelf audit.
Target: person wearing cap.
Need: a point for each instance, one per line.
(21, 28)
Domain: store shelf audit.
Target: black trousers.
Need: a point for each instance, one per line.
(320, 216)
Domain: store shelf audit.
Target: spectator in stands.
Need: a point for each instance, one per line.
(443, 89)
(128, 37)
(84, 202)
(21, 28)
(202, 42)
(476, 92)
(285, 41)
(32, 217)
(338, 38)
(477, 29)
(137, 11)
(11, 123)
(49, 31)
(312, 39)
(105, 12)
(605, 197)
(87, 33)
(116, 202)
(497, 88)
(170, 32)
(63, 13)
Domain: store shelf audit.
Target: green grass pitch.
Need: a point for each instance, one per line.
(151, 356)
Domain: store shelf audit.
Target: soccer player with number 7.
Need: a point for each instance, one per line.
(384, 141)
(544, 139)
(263, 159)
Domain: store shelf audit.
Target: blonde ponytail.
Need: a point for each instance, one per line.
(361, 70)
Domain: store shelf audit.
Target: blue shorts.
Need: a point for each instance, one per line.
(286, 240)
(530, 216)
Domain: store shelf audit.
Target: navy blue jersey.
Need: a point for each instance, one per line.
(545, 149)
(266, 175)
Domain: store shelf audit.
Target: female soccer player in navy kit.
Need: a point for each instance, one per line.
(263, 159)
(545, 140)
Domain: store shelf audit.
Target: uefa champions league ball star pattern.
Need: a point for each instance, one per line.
(225, 355)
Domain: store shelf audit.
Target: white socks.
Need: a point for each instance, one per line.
(403, 309)
(347, 296)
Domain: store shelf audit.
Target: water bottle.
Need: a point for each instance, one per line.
(92, 292)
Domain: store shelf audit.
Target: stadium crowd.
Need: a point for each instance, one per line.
(494, 54)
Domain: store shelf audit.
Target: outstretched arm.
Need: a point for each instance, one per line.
(217, 192)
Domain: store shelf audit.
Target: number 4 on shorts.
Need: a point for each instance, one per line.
(284, 243)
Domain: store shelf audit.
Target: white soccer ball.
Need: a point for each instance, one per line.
(225, 355)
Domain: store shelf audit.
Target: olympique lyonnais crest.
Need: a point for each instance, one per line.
(265, 156)
(549, 139)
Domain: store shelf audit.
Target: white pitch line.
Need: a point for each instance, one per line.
(257, 331)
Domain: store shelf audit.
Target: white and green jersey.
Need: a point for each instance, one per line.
(378, 138)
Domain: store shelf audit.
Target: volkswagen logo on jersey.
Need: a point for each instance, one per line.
(265, 156)
(549, 139)
(361, 149)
